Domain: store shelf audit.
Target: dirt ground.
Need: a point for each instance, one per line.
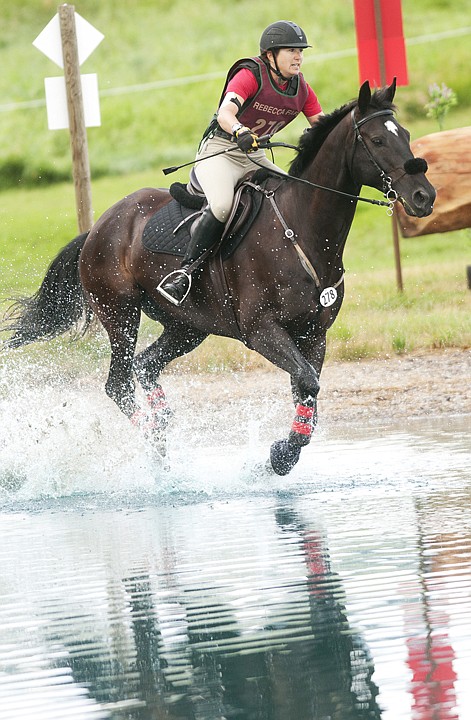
(436, 383)
(426, 384)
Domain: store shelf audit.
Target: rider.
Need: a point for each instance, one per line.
(261, 95)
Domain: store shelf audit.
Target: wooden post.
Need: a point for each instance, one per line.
(78, 133)
(383, 81)
(380, 39)
(397, 252)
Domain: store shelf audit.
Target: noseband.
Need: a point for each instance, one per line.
(410, 167)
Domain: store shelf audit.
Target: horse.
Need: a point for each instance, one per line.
(278, 293)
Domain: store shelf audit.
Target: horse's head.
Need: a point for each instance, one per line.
(381, 155)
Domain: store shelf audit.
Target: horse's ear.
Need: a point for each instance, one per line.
(391, 91)
(364, 97)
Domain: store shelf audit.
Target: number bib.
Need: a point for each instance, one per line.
(328, 296)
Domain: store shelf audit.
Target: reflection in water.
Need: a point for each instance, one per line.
(349, 603)
(303, 663)
(430, 653)
(337, 663)
(433, 677)
(192, 652)
(239, 610)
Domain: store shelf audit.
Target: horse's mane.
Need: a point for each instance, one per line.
(312, 139)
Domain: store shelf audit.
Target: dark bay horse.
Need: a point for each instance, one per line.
(278, 293)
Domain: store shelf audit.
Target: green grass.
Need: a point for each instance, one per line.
(145, 130)
(433, 312)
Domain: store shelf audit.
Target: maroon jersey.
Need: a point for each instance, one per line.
(271, 108)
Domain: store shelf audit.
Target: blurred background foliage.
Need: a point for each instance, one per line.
(161, 65)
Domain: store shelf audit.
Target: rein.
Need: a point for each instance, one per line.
(388, 191)
(265, 144)
(372, 201)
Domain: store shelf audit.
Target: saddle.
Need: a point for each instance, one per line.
(169, 229)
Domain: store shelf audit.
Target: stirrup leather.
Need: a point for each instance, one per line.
(166, 279)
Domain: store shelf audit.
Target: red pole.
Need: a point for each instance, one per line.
(380, 41)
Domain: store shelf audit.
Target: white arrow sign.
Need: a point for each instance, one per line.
(50, 44)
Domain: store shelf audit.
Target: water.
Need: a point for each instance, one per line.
(210, 590)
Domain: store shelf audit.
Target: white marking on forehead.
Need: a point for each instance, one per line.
(391, 126)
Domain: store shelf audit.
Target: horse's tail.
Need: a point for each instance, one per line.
(56, 307)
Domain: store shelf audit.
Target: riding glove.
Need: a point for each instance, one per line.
(246, 139)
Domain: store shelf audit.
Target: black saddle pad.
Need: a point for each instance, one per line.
(168, 231)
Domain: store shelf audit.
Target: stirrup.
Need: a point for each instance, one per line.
(167, 295)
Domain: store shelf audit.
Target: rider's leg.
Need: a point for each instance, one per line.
(208, 231)
(217, 178)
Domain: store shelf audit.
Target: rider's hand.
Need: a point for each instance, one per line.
(246, 139)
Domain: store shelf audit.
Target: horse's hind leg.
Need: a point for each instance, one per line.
(122, 325)
(177, 339)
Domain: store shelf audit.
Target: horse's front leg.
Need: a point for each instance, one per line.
(284, 454)
(277, 345)
(305, 420)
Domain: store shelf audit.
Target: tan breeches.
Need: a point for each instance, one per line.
(219, 175)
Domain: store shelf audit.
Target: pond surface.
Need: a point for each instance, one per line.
(210, 589)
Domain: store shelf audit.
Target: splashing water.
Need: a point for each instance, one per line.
(64, 437)
(153, 587)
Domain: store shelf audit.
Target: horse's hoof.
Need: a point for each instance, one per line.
(252, 472)
(158, 444)
(284, 456)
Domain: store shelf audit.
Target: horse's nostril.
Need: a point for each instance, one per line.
(421, 198)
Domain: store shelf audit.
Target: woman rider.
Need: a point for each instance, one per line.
(261, 96)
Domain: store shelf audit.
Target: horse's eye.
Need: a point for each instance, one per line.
(377, 141)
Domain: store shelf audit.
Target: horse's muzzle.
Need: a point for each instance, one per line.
(422, 199)
(422, 203)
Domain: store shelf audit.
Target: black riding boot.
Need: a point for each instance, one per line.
(176, 285)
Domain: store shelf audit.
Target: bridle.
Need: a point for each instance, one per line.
(387, 178)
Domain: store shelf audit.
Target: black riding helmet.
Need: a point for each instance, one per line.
(282, 34)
